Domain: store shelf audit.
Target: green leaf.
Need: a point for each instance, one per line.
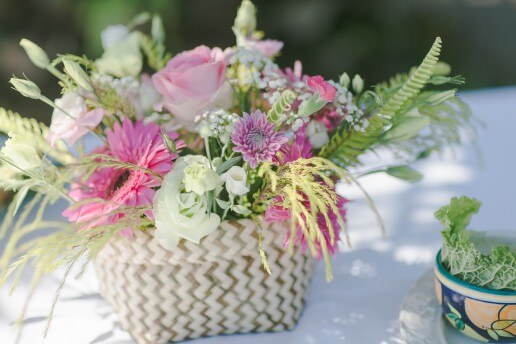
(226, 165)
(441, 97)
(139, 19)
(211, 200)
(222, 204)
(457, 215)
(241, 210)
(407, 129)
(441, 80)
(404, 173)
(157, 30)
(20, 197)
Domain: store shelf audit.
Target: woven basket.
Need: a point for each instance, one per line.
(201, 290)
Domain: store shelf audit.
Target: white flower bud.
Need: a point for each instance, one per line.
(26, 88)
(344, 80)
(357, 83)
(169, 143)
(245, 21)
(37, 55)
(236, 181)
(74, 70)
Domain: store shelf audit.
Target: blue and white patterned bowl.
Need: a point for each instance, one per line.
(480, 313)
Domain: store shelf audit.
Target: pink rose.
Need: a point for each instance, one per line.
(71, 119)
(192, 81)
(325, 90)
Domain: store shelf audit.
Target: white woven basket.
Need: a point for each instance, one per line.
(201, 290)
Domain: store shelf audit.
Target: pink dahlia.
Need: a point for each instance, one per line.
(276, 213)
(255, 137)
(108, 191)
(299, 148)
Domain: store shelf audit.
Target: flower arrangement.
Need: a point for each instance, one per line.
(142, 140)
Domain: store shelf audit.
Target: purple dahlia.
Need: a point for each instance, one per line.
(255, 137)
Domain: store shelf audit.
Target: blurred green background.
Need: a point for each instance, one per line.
(373, 38)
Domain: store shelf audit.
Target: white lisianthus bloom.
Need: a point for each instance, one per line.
(199, 176)
(123, 58)
(317, 134)
(236, 181)
(71, 119)
(21, 153)
(181, 214)
(113, 34)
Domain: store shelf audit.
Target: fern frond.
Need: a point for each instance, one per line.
(281, 106)
(345, 150)
(30, 128)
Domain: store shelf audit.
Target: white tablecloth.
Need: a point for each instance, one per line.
(362, 303)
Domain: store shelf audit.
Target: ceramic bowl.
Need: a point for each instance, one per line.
(480, 313)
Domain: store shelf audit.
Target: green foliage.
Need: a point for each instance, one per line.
(153, 46)
(461, 255)
(28, 127)
(404, 173)
(445, 114)
(281, 106)
(345, 147)
(62, 248)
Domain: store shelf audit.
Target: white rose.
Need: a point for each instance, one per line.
(236, 181)
(180, 214)
(20, 153)
(199, 176)
(123, 58)
(317, 134)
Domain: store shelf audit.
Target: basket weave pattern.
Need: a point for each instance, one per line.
(201, 290)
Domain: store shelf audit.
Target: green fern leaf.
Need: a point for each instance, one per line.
(344, 148)
(29, 127)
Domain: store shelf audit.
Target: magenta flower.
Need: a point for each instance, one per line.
(299, 148)
(276, 213)
(325, 90)
(108, 190)
(255, 137)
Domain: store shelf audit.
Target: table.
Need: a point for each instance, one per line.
(362, 303)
